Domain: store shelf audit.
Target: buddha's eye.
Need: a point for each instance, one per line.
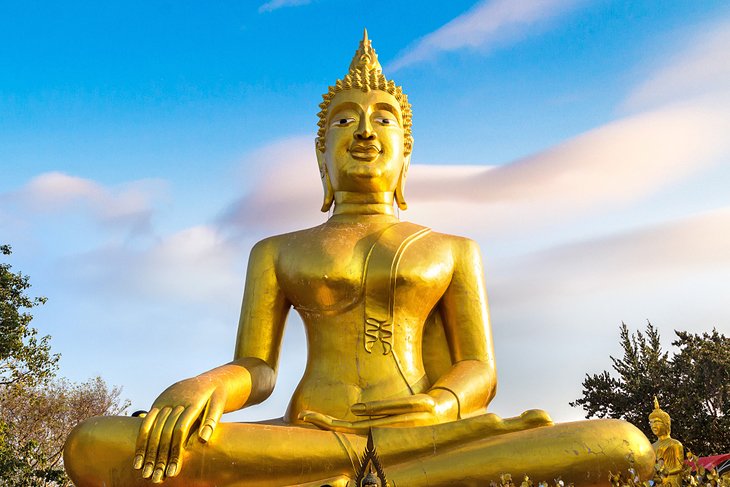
(386, 121)
(342, 122)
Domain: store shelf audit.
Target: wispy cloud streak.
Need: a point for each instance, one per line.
(703, 69)
(277, 4)
(487, 24)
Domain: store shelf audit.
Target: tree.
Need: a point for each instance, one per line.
(39, 420)
(693, 386)
(24, 357)
(37, 411)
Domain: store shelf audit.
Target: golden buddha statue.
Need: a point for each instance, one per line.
(399, 344)
(668, 451)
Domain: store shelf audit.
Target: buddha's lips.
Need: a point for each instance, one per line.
(365, 152)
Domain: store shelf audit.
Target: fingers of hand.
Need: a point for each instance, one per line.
(179, 436)
(403, 405)
(323, 420)
(212, 415)
(154, 441)
(142, 436)
(401, 420)
(361, 427)
(163, 451)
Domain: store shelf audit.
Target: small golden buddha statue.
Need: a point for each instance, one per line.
(371, 480)
(398, 338)
(668, 451)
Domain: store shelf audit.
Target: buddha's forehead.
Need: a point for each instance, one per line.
(364, 100)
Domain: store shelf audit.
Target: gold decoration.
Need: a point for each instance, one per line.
(371, 472)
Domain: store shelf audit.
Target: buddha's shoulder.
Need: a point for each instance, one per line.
(451, 239)
(275, 243)
(456, 242)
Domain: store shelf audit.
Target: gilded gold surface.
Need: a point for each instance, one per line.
(398, 340)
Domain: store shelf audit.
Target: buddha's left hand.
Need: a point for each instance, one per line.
(438, 406)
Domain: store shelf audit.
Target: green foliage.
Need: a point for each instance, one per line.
(692, 384)
(24, 357)
(26, 466)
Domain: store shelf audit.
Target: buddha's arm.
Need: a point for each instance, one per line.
(248, 379)
(674, 458)
(473, 378)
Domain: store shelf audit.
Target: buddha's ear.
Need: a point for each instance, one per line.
(400, 198)
(329, 194)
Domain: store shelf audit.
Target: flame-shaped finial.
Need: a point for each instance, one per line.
(365, 60)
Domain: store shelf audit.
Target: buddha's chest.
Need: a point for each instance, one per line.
(329, 272)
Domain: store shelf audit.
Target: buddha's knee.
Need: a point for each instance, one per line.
(98, 444)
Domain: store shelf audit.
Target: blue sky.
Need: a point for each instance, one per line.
(145, 146)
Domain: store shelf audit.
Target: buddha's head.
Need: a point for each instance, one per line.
(364, 140)
(659, 421)
(370, 480)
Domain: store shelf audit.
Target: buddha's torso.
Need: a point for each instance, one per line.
(321, 271)
(671, 451)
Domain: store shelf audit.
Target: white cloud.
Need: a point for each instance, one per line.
(286, 194)
(642, 258)
(127, 206)
(487, 24)
(277, 4)
(193, 265)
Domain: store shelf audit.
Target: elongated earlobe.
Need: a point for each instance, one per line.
(329, 193)
(400, 198)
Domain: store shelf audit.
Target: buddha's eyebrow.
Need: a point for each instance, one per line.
(388, 108)
(342, 106)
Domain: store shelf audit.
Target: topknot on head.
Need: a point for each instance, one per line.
(365, 59)
(366, 74)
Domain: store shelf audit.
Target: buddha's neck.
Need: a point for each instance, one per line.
(363, 205)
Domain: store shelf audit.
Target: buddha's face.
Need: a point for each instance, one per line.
(364, 149)
(658, 427)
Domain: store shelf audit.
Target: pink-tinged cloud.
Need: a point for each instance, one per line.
(128, 206)
(487, 24)
(647, 257)
(286, 192)
(609, 167)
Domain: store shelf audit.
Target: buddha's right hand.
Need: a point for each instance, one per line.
(167, 426)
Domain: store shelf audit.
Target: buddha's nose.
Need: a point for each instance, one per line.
(364, 130)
